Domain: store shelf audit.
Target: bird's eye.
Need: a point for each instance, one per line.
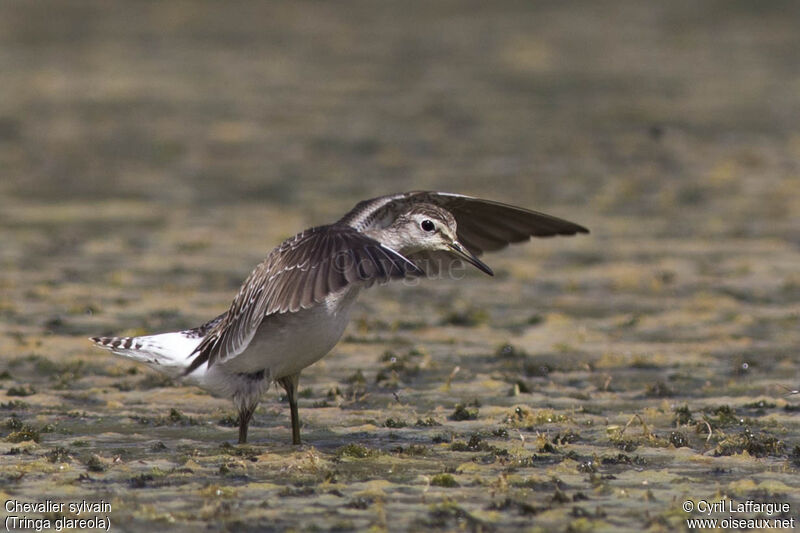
(427, 225)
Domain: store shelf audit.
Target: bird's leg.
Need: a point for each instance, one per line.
(245, 414)
(289, 384)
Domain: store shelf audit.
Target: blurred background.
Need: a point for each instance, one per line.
(151, 153)
(617, 107)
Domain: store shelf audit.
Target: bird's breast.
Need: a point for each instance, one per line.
(286, 343)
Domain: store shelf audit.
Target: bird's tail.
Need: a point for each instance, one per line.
(166, 352)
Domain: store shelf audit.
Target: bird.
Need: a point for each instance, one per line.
(293, 307)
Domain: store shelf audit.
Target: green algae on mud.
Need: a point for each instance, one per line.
(431, 427)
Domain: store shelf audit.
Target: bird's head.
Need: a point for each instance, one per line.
(428, 228)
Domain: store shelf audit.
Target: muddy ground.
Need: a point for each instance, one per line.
(152, 153)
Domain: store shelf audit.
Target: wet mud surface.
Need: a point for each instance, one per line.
(151, 154)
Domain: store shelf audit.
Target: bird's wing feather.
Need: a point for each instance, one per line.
(297, 274)
(483, 225)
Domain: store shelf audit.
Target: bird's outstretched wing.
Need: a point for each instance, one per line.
(297, 274)
(483, 225)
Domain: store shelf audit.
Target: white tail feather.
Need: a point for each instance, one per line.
(166, 352)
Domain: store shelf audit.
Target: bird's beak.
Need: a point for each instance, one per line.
(470, 258)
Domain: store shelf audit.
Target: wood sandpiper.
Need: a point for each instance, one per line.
(292, 309)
